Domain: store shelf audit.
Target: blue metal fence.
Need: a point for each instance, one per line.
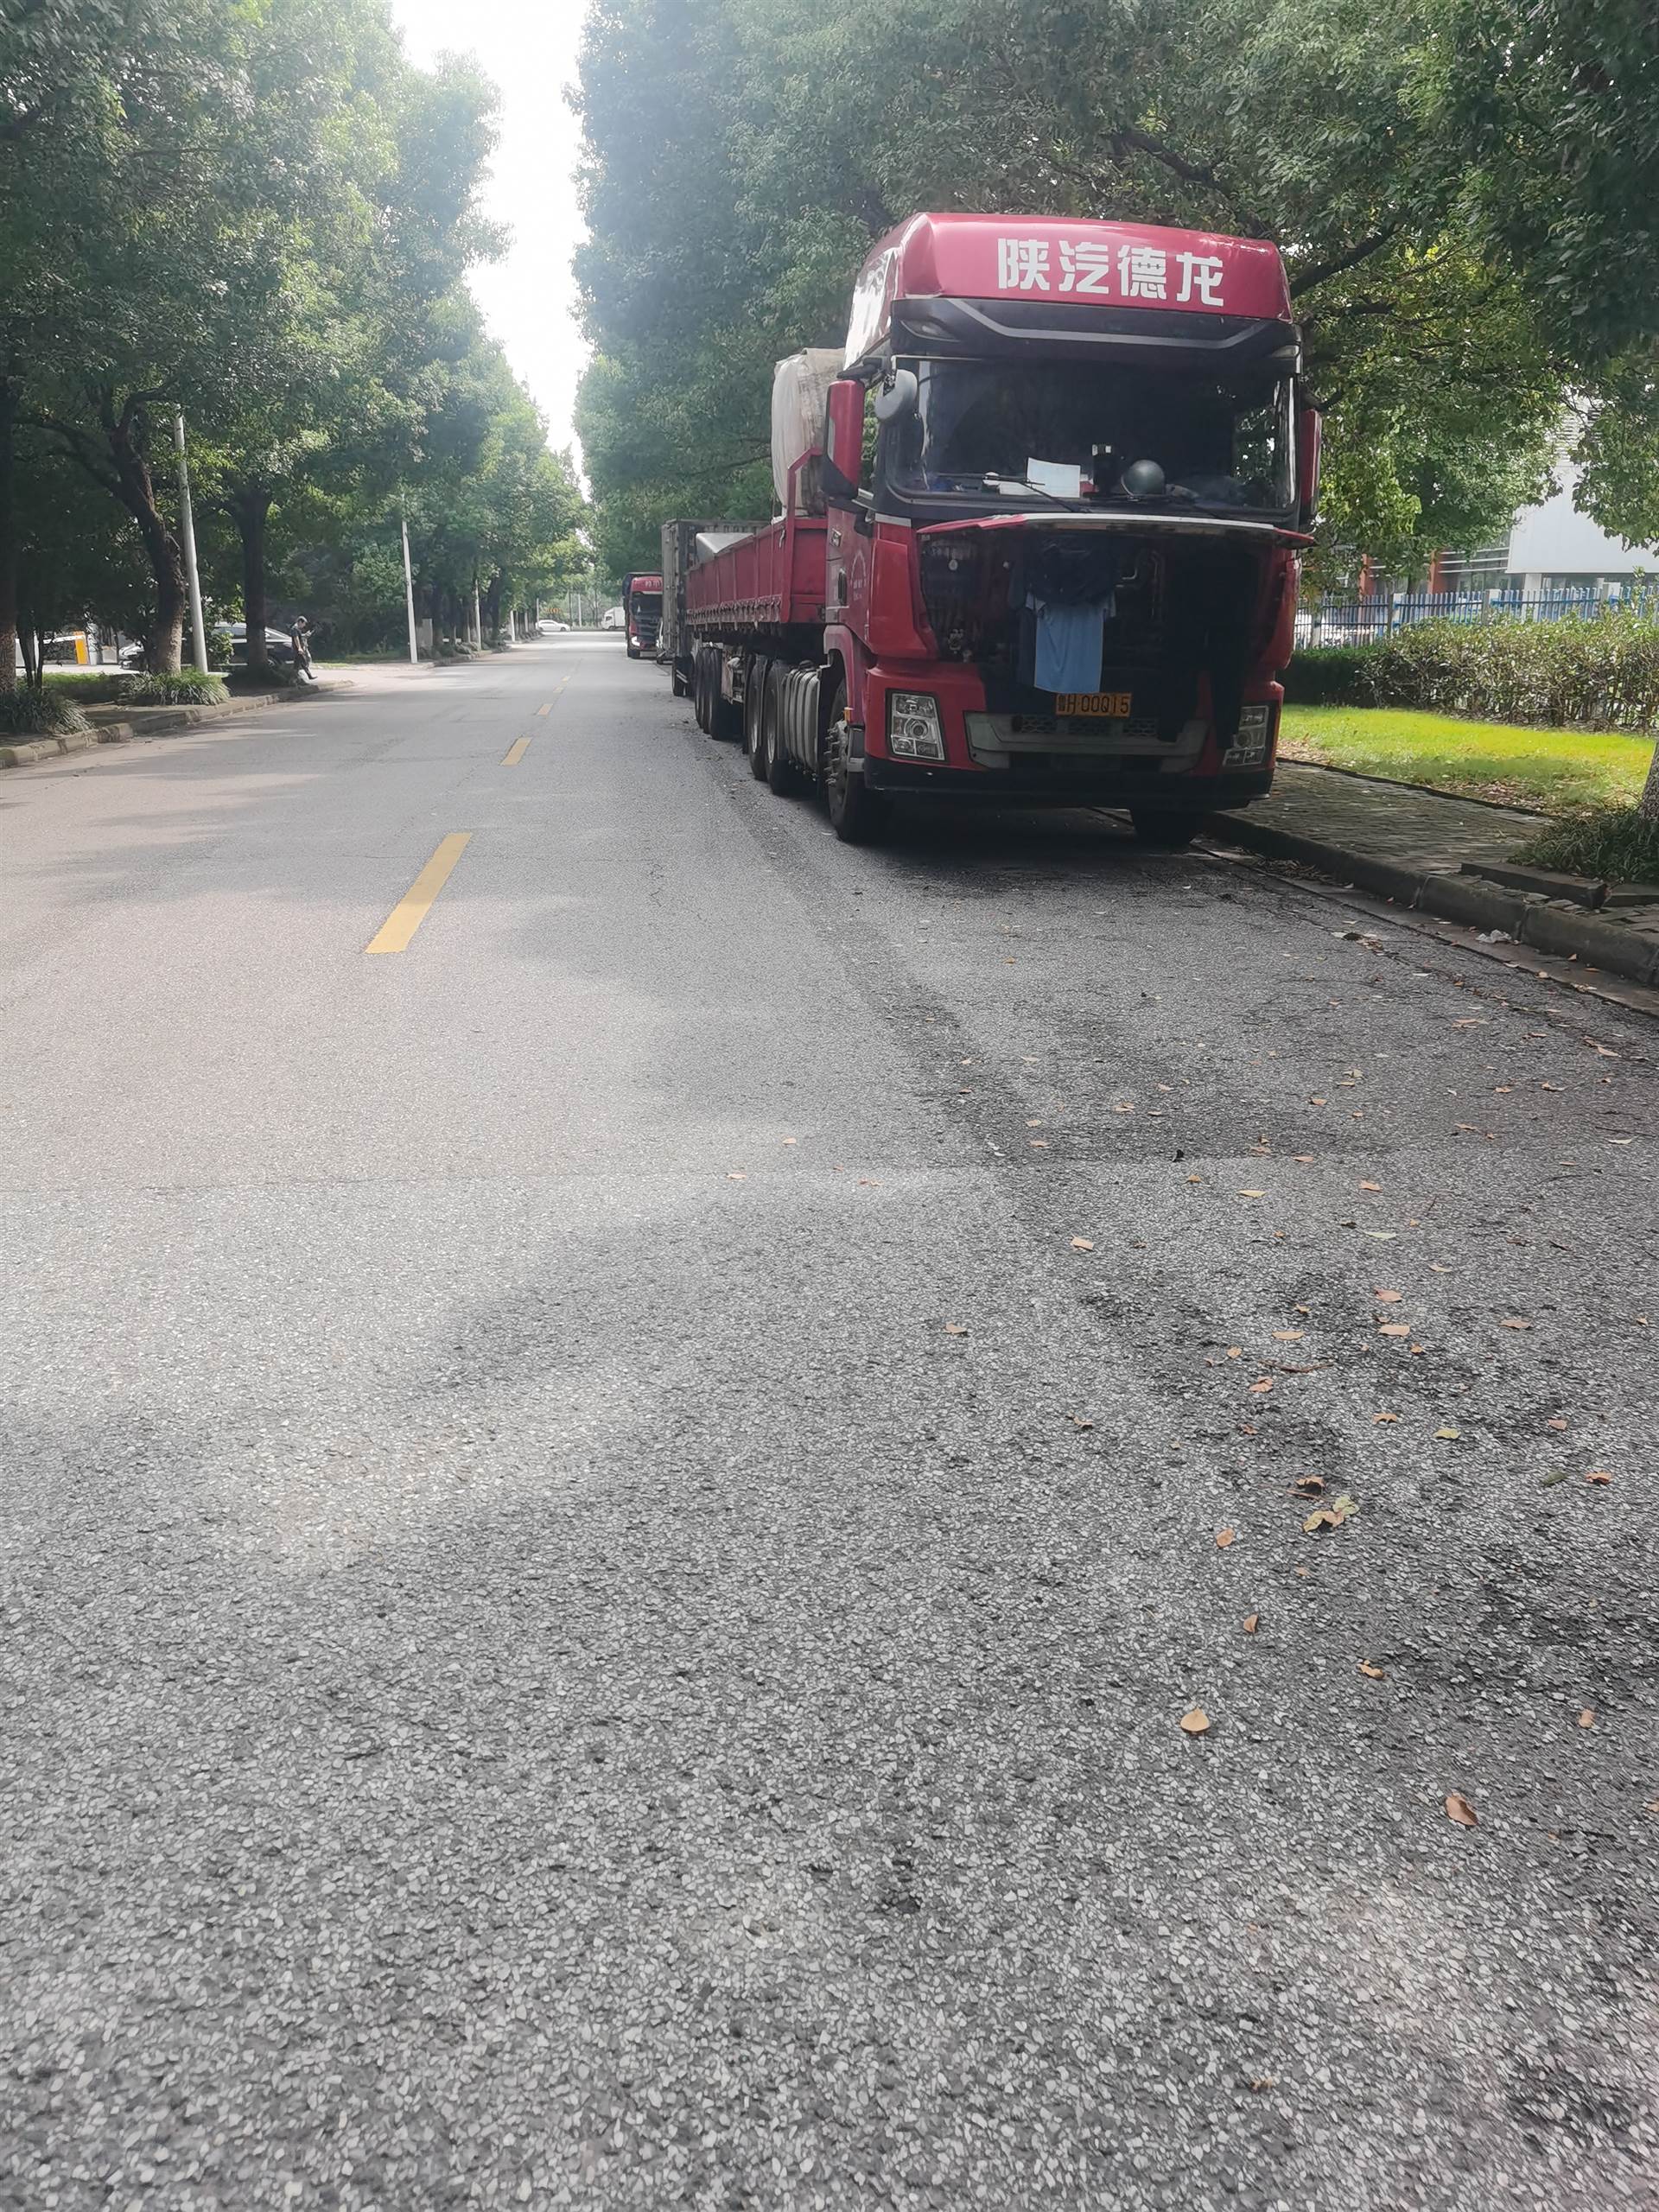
(1358, 621)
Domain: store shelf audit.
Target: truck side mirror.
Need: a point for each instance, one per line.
(844, 439)
(897, 397)
(1308, 465)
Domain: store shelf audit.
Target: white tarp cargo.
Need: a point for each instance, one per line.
(800, 391)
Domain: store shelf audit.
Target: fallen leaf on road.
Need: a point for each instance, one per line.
(1370, 1187)
(1515, 1322)
(736, 1175)
(1375, 1674)
(791, 1139)
(1316, 1101)
(1309, 1486)
(1588, 1717)
(1122, 1109)
(1038, 1144)
(1223, 1538)
(1556, 1475)
(956, 1328)
(1081, 1244)
(1555, 1421)
(1235, 1351)
(1033, 1125)
(1416, 1348)
(1346, 1507)
(1393, 1329)
(1303, 1159)
(1323, 1519)
(1379, 1418)
(1196, 1722)
(1459, 1809)
(1265, 2081)
(1077, 1421)
(869, 1182)
(1599, 1475)
(1252, 1194)
(1388, 1297)
(1195, 1179)
(1449, 1435)
(1252, 1621)
(1258, 1388)
(1288, 1336)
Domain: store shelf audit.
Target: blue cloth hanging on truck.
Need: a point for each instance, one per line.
(1068, 645)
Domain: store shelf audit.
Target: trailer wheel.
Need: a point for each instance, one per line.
(857, 815)
(754, 699)
(1164, 830)
(677, 679)
(725, 719)
(782, 775)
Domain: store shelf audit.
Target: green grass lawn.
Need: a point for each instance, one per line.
(1560, 770)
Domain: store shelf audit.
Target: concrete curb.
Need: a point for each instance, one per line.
(46, 749)
(117, 725)
(1597, 939)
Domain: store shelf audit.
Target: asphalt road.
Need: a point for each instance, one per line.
(610, 1519)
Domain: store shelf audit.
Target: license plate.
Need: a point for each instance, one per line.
(1115, 705)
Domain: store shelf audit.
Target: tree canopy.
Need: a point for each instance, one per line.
(260, 211)
(1463, 193)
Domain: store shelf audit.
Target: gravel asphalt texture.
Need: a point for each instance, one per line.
(609, 1522)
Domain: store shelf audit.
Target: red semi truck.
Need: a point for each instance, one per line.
(642, 609)
(1046, 544)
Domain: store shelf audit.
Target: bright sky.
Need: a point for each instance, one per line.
(529, 48)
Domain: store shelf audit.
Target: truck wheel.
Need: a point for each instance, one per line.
(1165, 831)
(754, 699)
(677, 679)
(700, 687)
(782, 775)
(858, 816)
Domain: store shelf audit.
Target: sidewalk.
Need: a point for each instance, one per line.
(1449, 856)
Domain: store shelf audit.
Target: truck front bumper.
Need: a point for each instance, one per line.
(1119, 783)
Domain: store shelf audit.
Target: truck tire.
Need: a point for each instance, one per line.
(755, 698)
(1167, 829)
(725, 719)
(700, 687)
(782, 775)
(857, 815)
(677, 679)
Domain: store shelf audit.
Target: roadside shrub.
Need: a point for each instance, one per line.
(186, 687)
(1593, 671)
(32, 712)
(1334, 676)
(1618, 843)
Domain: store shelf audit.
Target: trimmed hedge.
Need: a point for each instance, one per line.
(1581, 672)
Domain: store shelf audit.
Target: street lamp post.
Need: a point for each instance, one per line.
(408, 594)
(188, 533)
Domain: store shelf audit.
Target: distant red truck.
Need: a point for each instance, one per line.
(642, 609)
(1046, 544)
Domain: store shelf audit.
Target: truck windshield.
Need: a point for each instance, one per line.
(1070, 430)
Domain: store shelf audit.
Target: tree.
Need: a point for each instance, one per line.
(736, 171)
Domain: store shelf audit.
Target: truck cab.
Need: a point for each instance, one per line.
(1069, 571)
(642, 607)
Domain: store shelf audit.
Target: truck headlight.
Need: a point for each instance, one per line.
(913, 731)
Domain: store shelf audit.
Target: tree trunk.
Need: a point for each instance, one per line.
(250, 509)
(492, 608)
(133, 487)
(1648, 802)
(7, 534)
